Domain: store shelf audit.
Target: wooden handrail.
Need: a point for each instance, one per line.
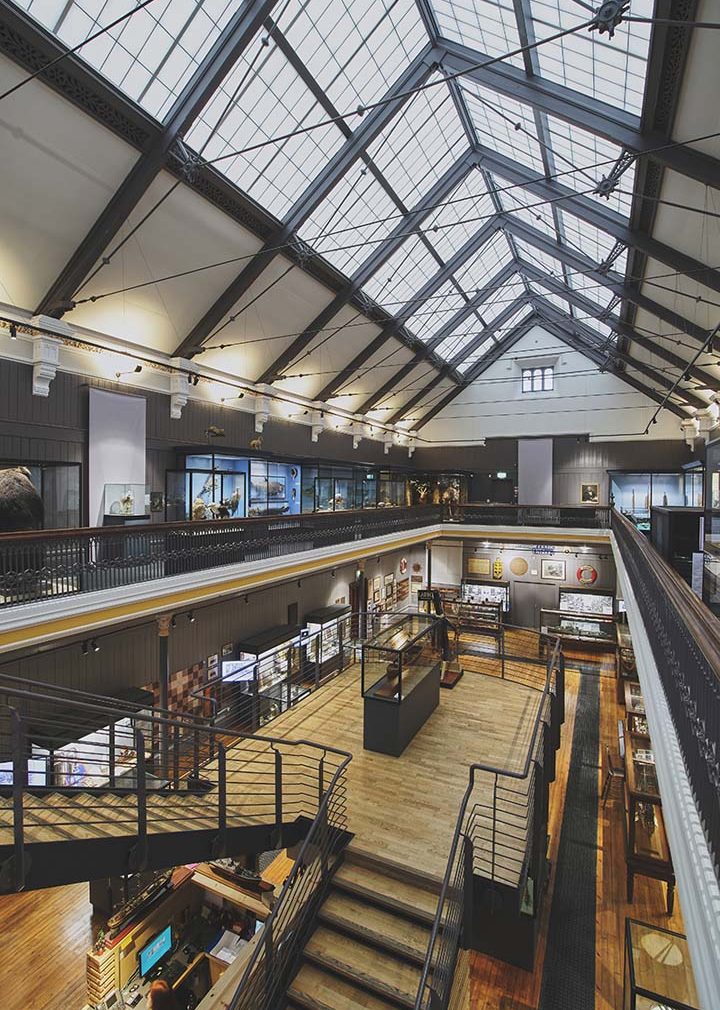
(701, 622)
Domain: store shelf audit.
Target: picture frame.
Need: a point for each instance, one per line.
(478, 566)
(552, 568)
(590, 494)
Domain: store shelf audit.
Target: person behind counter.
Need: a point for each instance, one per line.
(161, 997)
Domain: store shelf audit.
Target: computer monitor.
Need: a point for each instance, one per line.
(155, 951)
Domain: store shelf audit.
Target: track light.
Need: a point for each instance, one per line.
(193, 380)
(130, 371)
(13, 331)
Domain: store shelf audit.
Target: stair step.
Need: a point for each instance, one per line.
(315, 989)
(382, 974)
(402, 896)
(378, 926)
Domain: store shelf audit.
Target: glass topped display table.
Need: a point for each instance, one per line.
(658, 972)
(400, 682)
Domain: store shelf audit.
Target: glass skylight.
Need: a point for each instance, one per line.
(484, 264)
(611, 70)
(354, 49)
(585, 237)
(595, 324)
(590, 288)
(461, 214)
(152, 55)
(459, 338)
(540, 259)
(496, 117)
(550, 296)
(516, 201)
(486, 25)
(351, 222)
(256, 104)
(398, 280)
(433, 314)
(594, 158)
(421, 143)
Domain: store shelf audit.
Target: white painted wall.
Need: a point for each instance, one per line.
(584, 400)
(116, 445)
(535, 471)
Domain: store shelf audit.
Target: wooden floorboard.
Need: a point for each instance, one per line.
(497, 986)
(405, 808)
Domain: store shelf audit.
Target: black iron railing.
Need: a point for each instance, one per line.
(46, 564)
(685, 639)
(149, 771)
(513, 805)
(565, 516)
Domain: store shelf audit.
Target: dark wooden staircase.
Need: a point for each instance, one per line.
(371, 938)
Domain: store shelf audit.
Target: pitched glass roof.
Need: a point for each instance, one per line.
(325, 55)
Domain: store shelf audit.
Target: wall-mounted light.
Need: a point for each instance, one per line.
(173, 622)
(333, 573)
(237, 396)
(247, 600)
(299, 583)
(191, 617)
(193, 380)
(130, 371)
(94, 646)
(13, 331)
(84, 648)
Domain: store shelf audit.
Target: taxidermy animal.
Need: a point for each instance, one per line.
(21, 507)
(214, 432)
(199, 510)
(256, 443)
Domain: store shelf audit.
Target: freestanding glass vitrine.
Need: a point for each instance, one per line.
(400, 681)
(658, 973)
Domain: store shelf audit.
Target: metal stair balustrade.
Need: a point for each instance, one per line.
(502, 840)
(85, 782)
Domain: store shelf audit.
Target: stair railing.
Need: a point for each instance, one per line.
(278, 952)
(452, 924)
(221, 780)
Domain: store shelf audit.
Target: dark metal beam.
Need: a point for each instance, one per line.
(240, 31)
(410, 308)
(371, 126)
(467, 310)
(586, 209)
(622, 329)
(382, 253)
(504, 345)
(608, 357)
(572, 340)
(612, 281)
(579, 110)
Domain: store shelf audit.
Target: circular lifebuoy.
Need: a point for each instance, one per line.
(586, 575)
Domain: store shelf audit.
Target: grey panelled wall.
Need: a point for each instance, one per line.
(578, 462)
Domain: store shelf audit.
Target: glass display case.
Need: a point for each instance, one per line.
(592, 630)
(476, 591)
(634, 494)
(400, 682)
(268, 673)
(392, 490)
(586, 601)
(123, 502)
(275, 488)
(658, 969)
(329, 628)
(58, 485)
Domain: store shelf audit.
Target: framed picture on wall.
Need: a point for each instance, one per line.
(590, 494)
(550, 568)
(478, 566)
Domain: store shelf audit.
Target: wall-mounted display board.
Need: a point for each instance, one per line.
(581, 601)
(475, 591)
(479, 566)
